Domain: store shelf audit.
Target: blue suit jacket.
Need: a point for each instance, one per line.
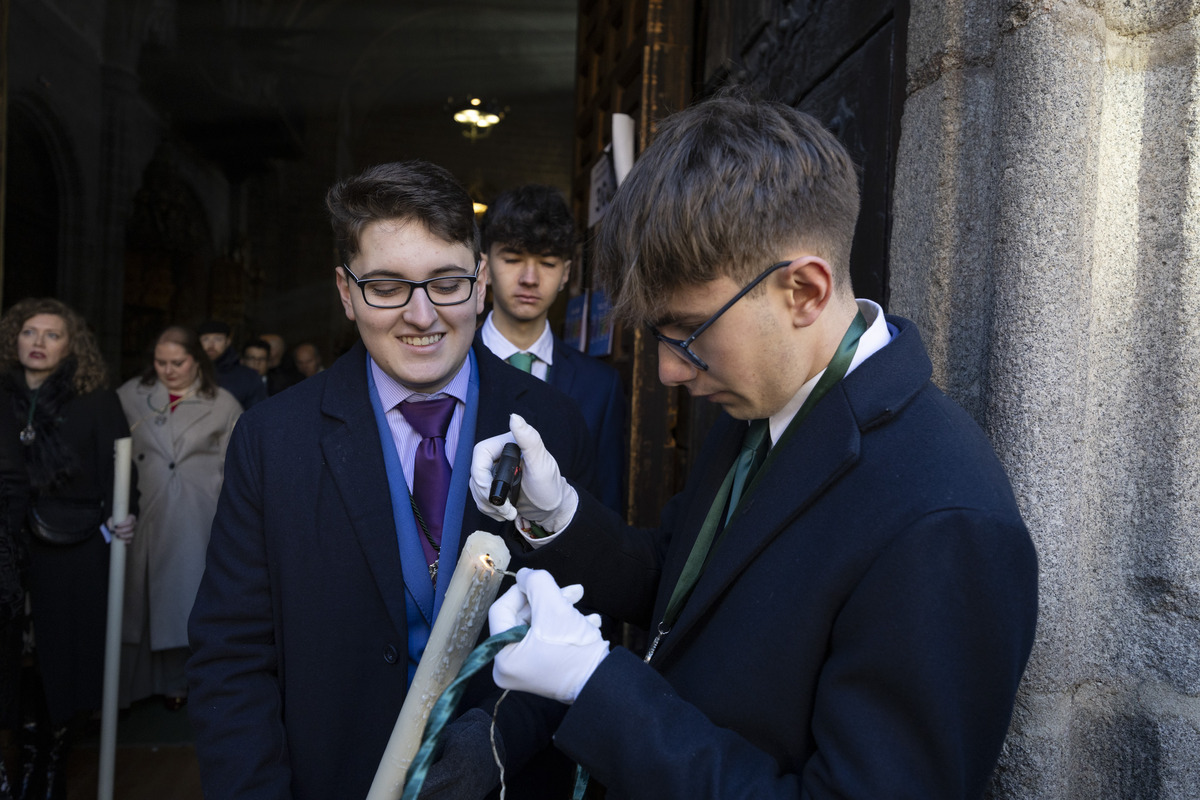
(298, 631)
(860, 630)
(596, 389)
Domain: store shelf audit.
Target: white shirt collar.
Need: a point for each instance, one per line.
(392, 393)
(873, 339)
(543, 348)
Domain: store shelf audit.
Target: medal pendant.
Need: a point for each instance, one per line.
(433, 573)
(160, 420)
(27, 435)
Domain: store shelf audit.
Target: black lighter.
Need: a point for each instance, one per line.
(506, 475)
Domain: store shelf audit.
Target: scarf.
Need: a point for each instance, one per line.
(49, 461)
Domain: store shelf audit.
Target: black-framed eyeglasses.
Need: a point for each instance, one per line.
(447, 290)
(683, 347)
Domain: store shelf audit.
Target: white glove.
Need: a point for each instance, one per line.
(124, 531)
(545, 497)
(563, 647)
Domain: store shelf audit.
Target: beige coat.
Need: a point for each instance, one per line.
(180, 460)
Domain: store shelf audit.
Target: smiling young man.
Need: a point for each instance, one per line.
(344, 507)
(842, 600)
(528, 238)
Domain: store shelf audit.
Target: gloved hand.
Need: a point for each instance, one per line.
(124, 531)
(545, 497)
(466, 768)
(561, 650)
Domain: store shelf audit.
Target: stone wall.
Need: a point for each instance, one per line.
(1047, 223)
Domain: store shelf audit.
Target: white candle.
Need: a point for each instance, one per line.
(472, 589)
(122, 466)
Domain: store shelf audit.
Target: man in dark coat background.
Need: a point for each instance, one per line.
(528, 240)
(233, 376)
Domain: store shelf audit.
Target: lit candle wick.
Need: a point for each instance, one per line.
(490, 565)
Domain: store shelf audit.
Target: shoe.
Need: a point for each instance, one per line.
(174, 703)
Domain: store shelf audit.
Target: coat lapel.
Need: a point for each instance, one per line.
(824, 447)
(354, 456)
(188, 412)
(562, 371)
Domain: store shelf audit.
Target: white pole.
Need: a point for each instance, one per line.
(122, 462)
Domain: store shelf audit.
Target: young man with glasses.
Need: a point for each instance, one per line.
(528, 240)
(842, 600)
(344, 507)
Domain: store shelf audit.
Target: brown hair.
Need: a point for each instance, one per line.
(90, 370)
(190, 342)
(533, 218)
(725, 188)
(404, 191)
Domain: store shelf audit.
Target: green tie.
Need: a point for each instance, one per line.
(754, 453)
(522, 361)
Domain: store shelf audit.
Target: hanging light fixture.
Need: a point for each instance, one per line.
(477, 116)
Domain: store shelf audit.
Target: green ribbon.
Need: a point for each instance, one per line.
(445, 705)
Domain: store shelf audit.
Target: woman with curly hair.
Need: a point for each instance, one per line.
(52, 382)
(181, 422)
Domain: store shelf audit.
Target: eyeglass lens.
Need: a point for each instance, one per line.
(393, 294)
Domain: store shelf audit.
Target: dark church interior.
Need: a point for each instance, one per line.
(166, 162)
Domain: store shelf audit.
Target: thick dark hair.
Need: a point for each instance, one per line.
(90, 371)
(532, 218)
(403, 191)
(726, 187)
(190, 342)
(259, 344)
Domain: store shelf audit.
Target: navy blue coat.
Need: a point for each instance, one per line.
(298, 632)
(859, 632)
(243, 383)
(596, 389)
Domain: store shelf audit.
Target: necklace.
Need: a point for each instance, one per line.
(28, 434)
(160, 417)
(171, 404)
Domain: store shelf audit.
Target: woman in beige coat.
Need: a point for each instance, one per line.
(181, 421)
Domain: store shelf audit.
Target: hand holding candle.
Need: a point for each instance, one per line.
(473, 586)
(563, 647)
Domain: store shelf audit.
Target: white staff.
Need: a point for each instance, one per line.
(122, 464)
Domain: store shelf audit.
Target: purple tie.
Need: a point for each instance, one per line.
(431, 469)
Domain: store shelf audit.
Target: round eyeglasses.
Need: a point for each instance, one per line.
(448, 290)
(683, 347)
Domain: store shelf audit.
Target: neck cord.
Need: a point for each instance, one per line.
(171, 404)
(437, 548)
(28, 434)
(161, 413)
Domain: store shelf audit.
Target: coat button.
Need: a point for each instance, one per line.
(141, 456)
(389, 654)
(171, 465)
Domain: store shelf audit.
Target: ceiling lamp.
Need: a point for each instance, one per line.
(476, 116)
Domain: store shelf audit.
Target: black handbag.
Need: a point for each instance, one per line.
(65, 520)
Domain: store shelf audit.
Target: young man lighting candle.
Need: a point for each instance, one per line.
(345, 505)
(842, 600)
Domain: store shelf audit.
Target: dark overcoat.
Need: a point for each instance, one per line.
(860, 630)
(596, 389)
(299, 632)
